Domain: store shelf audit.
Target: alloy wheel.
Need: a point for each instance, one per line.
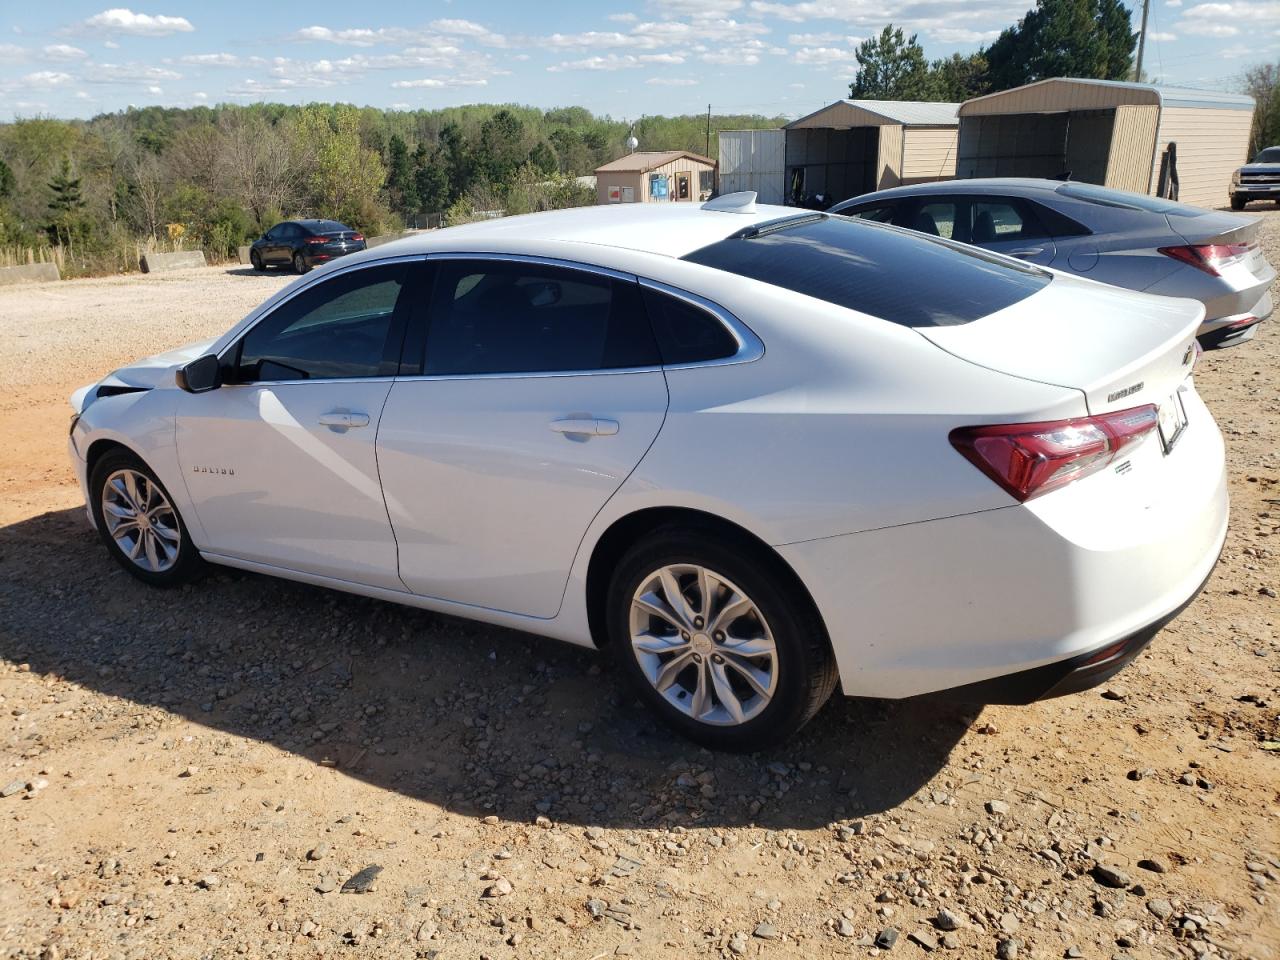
(141, 520)
(703, 644)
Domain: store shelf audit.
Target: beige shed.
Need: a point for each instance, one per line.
(1112, 133)
(656, 176)
(856, 146)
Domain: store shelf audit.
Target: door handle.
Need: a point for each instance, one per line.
(585, 426)
(341, 420)
(1026, 252)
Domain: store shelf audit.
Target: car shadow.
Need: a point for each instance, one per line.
(248, 271)
(474, 718)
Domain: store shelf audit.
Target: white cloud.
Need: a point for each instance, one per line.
(469, 28)
(63, 51)
(12, 53)
(613, 61)
(211, 59)
(122, 20)
(1161, 36)
(1203, 29)
(45, 80)
(623, 17)
(960, 35)
(813, 39)
(435, 83)
(155, 90)
(671, 82)
(128, 73)
(200, 95)
(745, 54)
(697, 9)
(821, 56)
(1173, 3)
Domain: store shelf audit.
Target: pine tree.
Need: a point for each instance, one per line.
(66, 203)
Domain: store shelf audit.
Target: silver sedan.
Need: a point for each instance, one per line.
(1126, 239)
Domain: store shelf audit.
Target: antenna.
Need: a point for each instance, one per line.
(741, 202)
(632, 142)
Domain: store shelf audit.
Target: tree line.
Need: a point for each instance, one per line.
(215, 177)
(1056, 38)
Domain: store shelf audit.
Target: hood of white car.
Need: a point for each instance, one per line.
(158, 370)
(144, 374)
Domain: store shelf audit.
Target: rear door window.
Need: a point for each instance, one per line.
(499, 316)
(878, 213)
(882, 271)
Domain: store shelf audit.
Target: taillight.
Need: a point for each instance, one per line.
(357, 236)
(1209, 257)
(317, 239)
(1030, 459)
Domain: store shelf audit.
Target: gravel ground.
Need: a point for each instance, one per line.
(255, 768)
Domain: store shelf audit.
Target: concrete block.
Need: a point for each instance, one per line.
(183, 259)
(242, 255)
(29, 273)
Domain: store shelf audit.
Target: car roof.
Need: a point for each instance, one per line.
(664, 229)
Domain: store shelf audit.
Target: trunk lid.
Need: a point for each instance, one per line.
(1119, 348)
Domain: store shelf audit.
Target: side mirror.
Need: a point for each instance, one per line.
(200, 375)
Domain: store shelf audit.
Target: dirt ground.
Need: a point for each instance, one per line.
(199, 773)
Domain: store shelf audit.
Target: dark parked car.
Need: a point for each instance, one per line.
(303, 244)
(1259, 180)
(1125, 239)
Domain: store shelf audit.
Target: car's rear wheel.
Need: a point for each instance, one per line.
(138, 522)
(299, 264)
(255, 258)
(716, 639)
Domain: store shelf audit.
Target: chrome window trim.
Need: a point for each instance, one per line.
(750, 347)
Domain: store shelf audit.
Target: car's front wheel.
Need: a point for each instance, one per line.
(255, 258)
(715, 636)
(138, 522)
(1238, 202)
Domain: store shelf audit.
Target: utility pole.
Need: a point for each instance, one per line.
(708, 153)
(1142, 42)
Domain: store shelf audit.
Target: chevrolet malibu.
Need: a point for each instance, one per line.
(753, 454)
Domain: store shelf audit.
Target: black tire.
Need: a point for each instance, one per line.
(255, 258)
(1238, 203)
(186, 567)
(300, 264)
(805, 667)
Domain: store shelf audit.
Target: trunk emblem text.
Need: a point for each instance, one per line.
(225, 471)
(1113, 397)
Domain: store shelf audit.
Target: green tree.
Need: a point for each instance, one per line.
(65, 204)
(7, 180)
(1092, 39)
(501, 150)
(400, 177)
(892, 66)
(959, 78)
(345, 176)
(543, 158)
(431, 179)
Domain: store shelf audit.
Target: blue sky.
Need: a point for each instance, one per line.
(621, 57)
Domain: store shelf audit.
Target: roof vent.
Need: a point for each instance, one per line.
(743, 202)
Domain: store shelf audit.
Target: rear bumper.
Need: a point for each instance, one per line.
(1035, 589)
(1068, 676)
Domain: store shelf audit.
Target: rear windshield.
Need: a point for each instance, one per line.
(1092, 193)
(1269, 155)
(328, 226)
(889, 273)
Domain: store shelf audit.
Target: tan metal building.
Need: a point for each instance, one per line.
(1112, 133)
(656, 176)
(855, 146)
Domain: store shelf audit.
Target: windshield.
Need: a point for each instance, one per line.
(1269, 155)
(893, 274)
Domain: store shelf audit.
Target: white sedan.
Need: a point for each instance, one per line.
(751, 452)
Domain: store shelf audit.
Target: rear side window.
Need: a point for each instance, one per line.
(880, 213)
(883, 271)
(686, 333)
(496, 316)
